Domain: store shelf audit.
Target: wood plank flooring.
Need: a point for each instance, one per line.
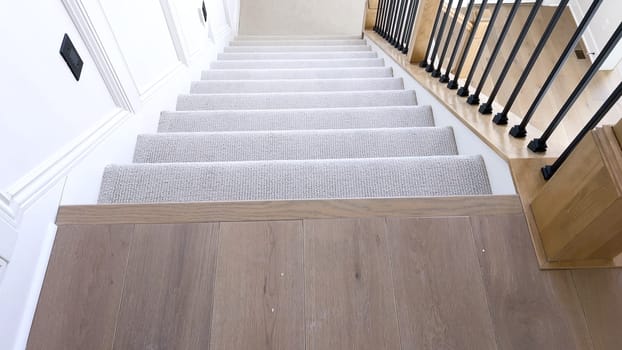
(348, 289)
(259, 297)
(386, 282)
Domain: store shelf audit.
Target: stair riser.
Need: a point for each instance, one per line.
(295, 56)
(248, 86)
(297, 37)
(296, 100)
(282, 64)
(300, 119)
(355, 42)
(294, 145)
(264, 74)
(296, 48)
(281, 180)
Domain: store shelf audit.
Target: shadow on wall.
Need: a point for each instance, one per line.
(301, 17)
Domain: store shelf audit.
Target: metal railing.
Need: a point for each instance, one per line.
(393, 19)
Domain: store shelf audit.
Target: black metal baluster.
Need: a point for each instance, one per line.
(539, 144)
(424, 63)
(473, 99)
(502, 117)
(464, 90)
(396, 8)
(450, 33)
(549, 170)
(385, 16)
(445, 77)
(389, 19)
(520, 130)
(378, 16)
(411, 23)
(400, 24)
(381, 15)
(396, 18)
(453, 84)
(486, 108)
(430, 68)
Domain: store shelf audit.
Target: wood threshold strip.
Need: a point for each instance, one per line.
(160, 213)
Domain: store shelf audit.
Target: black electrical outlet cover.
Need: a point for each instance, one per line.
(71, 57)
(204, 10)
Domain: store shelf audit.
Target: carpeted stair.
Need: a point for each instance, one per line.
(295, 118)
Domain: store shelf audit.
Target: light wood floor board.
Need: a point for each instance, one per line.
(438, 285)
(285, 210)
(167, 301)
(365, 283)
(348, 289)
(600, 292)
(82, 290)
(531, 309)
(259, 296)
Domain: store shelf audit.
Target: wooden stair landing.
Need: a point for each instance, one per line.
(396, 279)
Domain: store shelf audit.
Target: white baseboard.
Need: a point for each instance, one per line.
(23, 277)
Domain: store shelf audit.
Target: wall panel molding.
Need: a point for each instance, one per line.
(110, 64)
(176, 31)
(15, 200)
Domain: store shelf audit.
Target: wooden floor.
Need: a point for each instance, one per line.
(387, 282)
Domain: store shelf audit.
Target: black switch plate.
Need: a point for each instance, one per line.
(204, 10)
(71, 57)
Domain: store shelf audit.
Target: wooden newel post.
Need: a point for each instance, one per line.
(422, 29)
(371, 10)
(579, 210)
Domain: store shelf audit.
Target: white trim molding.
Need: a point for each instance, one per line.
(108, 65)
(175, 30)
(15, 200)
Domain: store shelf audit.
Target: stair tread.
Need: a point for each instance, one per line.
(303, 42)
(297, 37)
(294, 144)
(299, 179)
(233, 56)
(296, 119)
(278, 100)
(301, 63)
(296, 85)
(305, 48)
(297, 73)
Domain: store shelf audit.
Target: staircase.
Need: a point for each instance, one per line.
(278, 118)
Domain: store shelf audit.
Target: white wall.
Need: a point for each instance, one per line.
(301, 17)
(56, 134)
(602, 26)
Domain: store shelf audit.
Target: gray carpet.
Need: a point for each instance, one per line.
(315, 73)
(289, 42)
(295, 85)
(297, 37)
(277, 100)
(295, 118)
(309, 48)
(281, 64)
(294, 144)
(299, 179)
(295, 55)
